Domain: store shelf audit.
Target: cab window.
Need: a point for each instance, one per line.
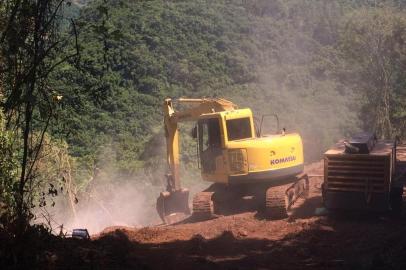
(238, 129)
(209, 143)
(210, 135)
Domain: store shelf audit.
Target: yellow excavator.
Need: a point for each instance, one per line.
(234, 155)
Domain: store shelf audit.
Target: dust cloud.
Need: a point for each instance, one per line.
(127, 204)
(131, 202)
(112, 199)
(300, 83)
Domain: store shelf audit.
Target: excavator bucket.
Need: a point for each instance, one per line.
(173, 206)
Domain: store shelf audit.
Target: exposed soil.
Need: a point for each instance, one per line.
(246, 241)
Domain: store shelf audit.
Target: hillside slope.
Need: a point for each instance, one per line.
(280, 58)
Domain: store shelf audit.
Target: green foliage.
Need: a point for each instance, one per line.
(135, 54)
(31, 48)
(327, 68)
(373, 44)
(299, 59)
(8, 168)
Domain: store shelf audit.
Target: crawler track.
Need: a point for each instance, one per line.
(203, 205)
(275, 205)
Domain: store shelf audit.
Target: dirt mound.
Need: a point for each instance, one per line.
(246, 224)
(244, 241)
(248, 241)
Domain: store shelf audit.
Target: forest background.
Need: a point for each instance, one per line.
(81, 136)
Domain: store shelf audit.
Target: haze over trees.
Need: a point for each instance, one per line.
(308, 62)
(81, 83)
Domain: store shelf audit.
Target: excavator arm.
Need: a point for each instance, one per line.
(175, 199)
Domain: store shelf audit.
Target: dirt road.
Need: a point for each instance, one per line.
(248, 241)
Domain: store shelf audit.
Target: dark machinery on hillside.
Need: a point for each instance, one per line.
(362, 174)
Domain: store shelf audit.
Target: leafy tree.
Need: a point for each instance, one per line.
(372, 41)
(31, 47)
(8, 172)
